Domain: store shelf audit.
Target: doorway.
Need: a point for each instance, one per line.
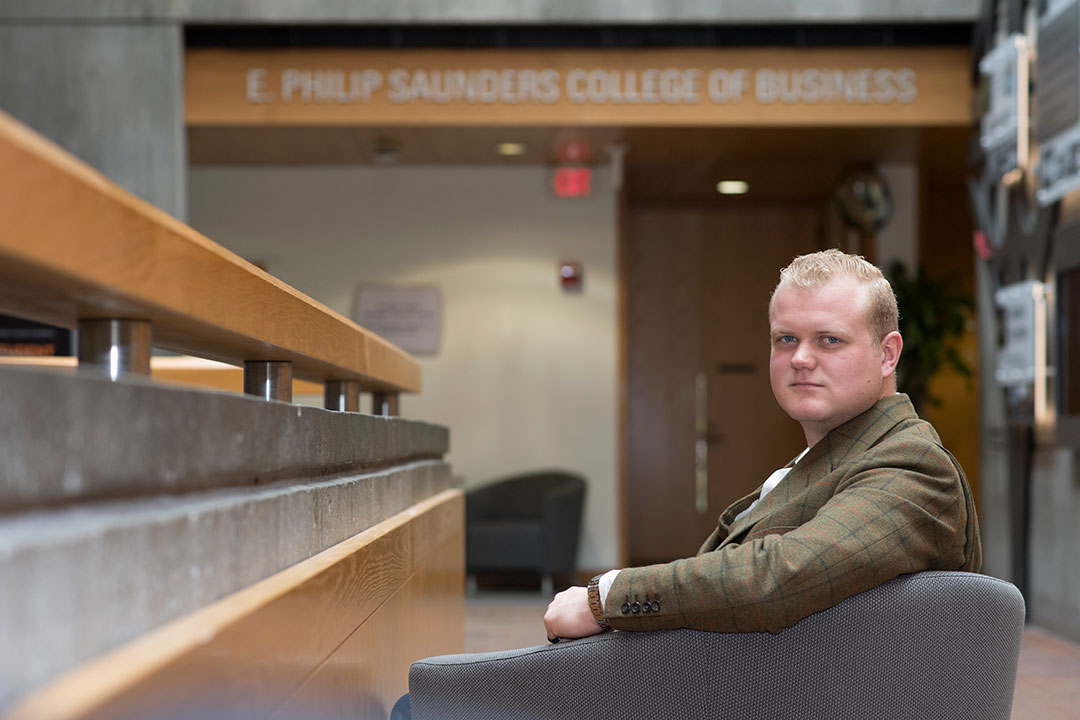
(703, 428)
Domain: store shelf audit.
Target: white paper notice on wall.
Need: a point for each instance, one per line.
(408, 316)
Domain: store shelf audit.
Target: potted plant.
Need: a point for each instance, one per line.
(933, 317)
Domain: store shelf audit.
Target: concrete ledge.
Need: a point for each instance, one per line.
(77, 581)
(70, 438)
(495, 11)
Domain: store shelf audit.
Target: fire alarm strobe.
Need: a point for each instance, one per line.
(571, 276)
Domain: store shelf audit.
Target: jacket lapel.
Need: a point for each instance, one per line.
(856, 436)
(849, 440)
(795, 481)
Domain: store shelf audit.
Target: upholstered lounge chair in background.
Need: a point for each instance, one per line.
(525, 523)
(927, 645)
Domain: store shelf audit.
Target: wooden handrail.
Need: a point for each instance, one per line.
(74, 245)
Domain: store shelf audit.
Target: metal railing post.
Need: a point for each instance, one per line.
(268, 379)
(342, 395)
(114, 346)
(385, 403)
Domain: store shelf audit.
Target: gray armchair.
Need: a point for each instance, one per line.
(927, 645)
(529, 522)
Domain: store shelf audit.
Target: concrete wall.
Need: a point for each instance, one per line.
(1054, 597)
(112, 94)
(504, 11)
(65, 438)
(1053, 558)
(526, 375)
(899, 240)
(994, 481)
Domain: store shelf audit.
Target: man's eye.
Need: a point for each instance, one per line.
(830, 340)
(785, 339)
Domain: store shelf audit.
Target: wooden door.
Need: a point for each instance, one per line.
(698, 284)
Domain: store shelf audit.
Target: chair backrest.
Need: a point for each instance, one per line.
(521, 495)
(927, 645)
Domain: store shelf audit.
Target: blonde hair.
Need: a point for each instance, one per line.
(817, 269)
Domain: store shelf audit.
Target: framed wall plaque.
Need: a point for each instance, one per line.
(408, 316)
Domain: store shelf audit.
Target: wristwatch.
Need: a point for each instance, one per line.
(595, 605)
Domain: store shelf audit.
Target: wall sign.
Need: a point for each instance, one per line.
(847, 86)
(409, 317)
(582, 86)
(1057, 102)
(1021, 305)
(1004, 129)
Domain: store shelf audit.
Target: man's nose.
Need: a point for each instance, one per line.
(803, 356)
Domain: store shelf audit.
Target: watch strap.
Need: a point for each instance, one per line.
(595, 605)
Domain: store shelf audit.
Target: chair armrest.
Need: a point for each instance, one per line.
(935, 644)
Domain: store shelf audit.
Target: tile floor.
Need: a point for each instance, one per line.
(1047, 683)
(1048, 679)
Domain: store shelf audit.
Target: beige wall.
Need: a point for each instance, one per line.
(899, 240)
(526, 375)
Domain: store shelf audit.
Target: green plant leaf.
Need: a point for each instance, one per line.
(934, 316)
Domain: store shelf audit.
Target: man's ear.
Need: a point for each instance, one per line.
(891, 346)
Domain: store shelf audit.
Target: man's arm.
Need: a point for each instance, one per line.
(904, 512)
(897, 516)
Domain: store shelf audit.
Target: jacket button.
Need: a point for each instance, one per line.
(656, 606)
(646, 607)
(635, 608)
(625, 608)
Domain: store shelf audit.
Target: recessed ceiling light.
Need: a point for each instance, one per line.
(732, 187)
(511, 148)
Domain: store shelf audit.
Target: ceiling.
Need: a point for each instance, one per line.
(662, 164)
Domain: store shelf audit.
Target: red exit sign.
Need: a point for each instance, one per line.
(572, 182)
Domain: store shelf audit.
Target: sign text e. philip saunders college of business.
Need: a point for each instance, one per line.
(886, 86)
(596, 86)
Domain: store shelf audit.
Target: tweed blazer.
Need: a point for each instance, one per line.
(875, 498)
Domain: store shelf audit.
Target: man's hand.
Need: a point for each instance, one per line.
(568, 616)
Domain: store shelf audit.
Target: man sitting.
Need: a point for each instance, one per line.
(874, 495)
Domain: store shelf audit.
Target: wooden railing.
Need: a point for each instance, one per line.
(77, 251)
(329, 636)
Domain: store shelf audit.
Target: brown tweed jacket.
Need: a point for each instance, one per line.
(875, 498)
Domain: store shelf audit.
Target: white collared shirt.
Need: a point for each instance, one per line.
(771, 483)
